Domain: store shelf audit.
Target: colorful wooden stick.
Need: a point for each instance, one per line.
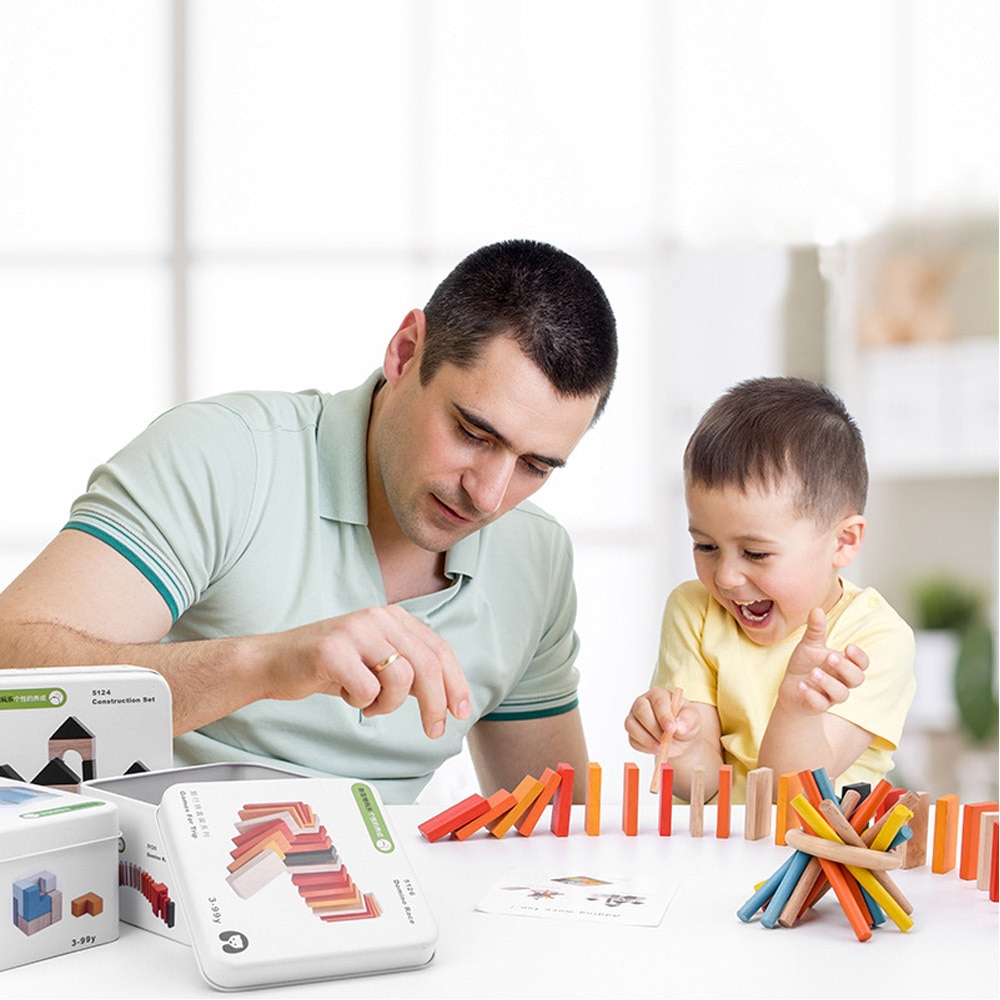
(664, 749)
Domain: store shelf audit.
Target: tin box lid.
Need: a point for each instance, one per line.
(296, 880)
(34, 819)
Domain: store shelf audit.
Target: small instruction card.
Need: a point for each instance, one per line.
(581, 896)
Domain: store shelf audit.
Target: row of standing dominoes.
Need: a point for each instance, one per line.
(522, 808)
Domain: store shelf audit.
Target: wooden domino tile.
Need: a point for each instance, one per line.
(528, 789)
(499, 803)
(696, 812)
(630, 799)
(986, 823)
(562, 803)
(666, 811)
(592, 808)
(968, 865)
(757, 819)
(451, 819)
(725, 802)
(945, 834)
(550, 782)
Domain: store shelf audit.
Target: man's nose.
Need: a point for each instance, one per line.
(487, 481)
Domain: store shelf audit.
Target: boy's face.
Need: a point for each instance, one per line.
(766, 565)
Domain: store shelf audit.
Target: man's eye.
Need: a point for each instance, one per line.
(469, 436)
(541, 471)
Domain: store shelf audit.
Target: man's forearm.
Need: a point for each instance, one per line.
(208, 678)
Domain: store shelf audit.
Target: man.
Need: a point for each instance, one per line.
(312, 561)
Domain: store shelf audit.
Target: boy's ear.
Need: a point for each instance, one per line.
(850, 535)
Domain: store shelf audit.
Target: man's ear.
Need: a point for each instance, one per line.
(404, 348)
(850, 535)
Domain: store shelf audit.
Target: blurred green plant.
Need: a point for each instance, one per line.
(945, 603)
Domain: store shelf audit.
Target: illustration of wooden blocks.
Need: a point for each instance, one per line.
(562, 804)
(251, 877)
(89, 903)
(945, 834)
(451, 819)
(592, 807)
(630, 799)
(550, 782)
(968, 865)
(757, 818)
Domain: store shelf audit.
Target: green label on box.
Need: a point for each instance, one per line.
(33, 698)
(375, 822)
(57, 810)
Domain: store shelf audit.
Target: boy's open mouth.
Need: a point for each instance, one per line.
(754, 612)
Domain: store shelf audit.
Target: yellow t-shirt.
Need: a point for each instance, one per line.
(704, 651)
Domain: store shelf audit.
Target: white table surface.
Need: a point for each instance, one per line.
(699, 949)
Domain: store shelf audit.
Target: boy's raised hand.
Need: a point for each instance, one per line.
(816, 676)
(652, 717)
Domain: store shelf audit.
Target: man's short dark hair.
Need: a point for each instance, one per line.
(543, 299)
(763, 430)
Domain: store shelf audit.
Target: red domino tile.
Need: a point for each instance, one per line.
(451, 819)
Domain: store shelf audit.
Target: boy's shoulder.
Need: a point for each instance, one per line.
(865, 607)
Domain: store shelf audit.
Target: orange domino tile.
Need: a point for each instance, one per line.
(562, 802)
(630, 799)
(592, 808)
(300, 810)
(725, 802)
(968, 865)
(550, 782)
(945, 834)
(789, 785)
(526, 792)
(499, 802)
(666, 811)
(452, 818)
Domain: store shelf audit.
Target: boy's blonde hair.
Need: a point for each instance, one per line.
(764, 430)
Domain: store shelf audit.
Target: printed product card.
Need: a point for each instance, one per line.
(292, 880)
(575, 895)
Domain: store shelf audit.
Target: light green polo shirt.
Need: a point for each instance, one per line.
(248, 513)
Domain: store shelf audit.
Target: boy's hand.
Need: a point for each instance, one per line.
(652, 718)
(816, 676)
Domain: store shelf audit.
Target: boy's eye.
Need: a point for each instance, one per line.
(755, 556)
(703, 547)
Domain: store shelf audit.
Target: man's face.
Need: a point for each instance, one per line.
(461, 451)
(767, 566)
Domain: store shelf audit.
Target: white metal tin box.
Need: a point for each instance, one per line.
(59, 869)
(293, 881)
(61, 726)
(148, 897)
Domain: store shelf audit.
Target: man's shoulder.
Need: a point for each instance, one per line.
(264, 409)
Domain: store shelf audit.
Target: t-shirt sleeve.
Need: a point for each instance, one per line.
(681, 661)
(175, 501)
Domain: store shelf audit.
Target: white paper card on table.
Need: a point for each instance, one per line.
(581, 895)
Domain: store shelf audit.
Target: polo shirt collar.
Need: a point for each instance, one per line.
(341, 437)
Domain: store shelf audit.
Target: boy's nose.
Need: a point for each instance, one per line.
(728, 575)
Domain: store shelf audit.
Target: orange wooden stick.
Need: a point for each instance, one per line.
(661, 753)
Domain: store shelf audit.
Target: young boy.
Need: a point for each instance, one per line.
(781, 662)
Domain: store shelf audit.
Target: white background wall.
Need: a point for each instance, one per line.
(219, 194)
